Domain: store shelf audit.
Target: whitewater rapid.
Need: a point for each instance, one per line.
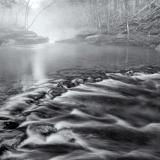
(117, 118)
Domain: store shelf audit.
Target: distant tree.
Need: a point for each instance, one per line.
(27, 4)
(7, 3)
(6, 6)
(127, 7)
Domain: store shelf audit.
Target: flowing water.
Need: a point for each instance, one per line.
(39, 62)
(80, 102)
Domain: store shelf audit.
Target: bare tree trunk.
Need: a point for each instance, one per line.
(26, 15)
(108, 16)
(99, 18)
(2, 16)
(126, 3)
(16, 18)
(128, 29)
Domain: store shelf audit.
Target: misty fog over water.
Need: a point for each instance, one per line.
(39, 62)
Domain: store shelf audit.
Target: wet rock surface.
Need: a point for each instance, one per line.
(86, 116)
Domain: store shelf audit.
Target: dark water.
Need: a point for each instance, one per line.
(38, 62)
(117, 118)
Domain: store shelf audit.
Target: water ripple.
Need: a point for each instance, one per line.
(115, 119)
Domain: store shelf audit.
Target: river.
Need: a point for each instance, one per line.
(114, 115)
(38, 62)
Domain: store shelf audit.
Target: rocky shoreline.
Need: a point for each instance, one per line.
(138, 40)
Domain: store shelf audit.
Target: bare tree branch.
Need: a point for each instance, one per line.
(39, 13)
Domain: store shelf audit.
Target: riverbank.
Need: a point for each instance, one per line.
(117, 39)
(135, 39)
(143, 31)
(20, 37)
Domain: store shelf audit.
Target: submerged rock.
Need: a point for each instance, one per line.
(56, 91)
(77, 81)
(3, 149)
(10, 125)
(149, 84)
(129, 73)
(36, 96)
(43, 129)
(98, 79)
(90, 80)
(60, 82)
(62, 136)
